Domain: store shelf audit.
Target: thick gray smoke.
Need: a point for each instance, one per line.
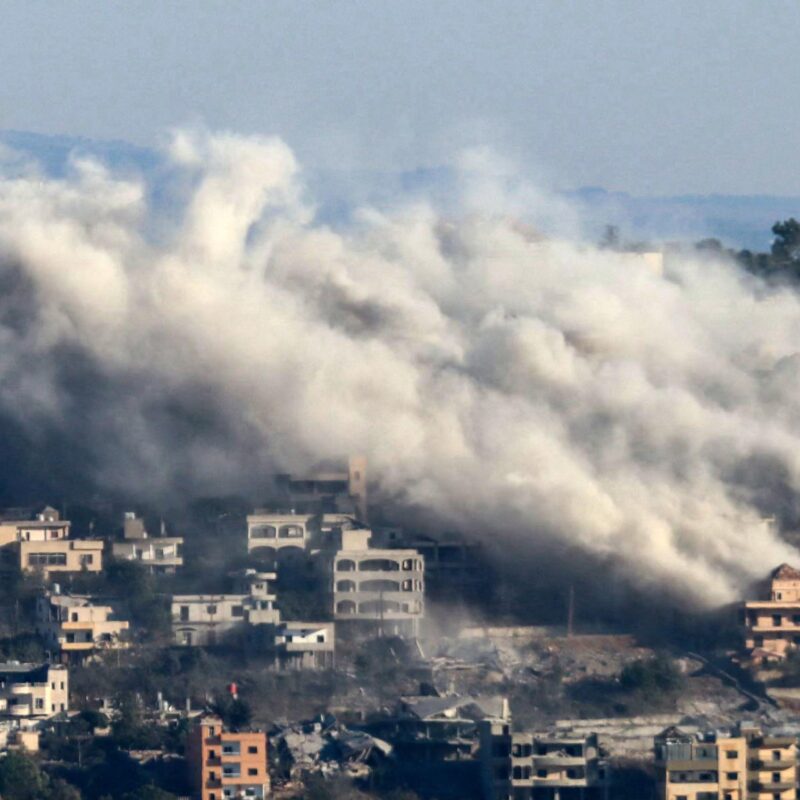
(521, 388)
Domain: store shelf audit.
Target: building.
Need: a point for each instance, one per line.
(162, 554)
(305, 645)
(326, 491)
(33, 691)
(377, 588)
(201, 620)
(271, 535)
(742, 765)
(773, 626)
(60, 556)
(46, 525)
(226, 764)
(539, 766)
(78, 625)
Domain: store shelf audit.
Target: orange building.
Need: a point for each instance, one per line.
(226, 764)
(773, 626)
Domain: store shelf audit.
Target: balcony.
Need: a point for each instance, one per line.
(772, 787)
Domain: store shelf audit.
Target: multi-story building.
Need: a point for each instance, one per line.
(200, 620)
(326, 491)
(77, 625)
(304, 645)
(162, 554)
(743, 765)
(539, 766)
(226, 764)
(379, 588)
(270, 533)
(33, 691)
(773, 625)
(46, 525)
(60, 555)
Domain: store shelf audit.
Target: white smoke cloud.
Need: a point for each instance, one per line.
(524, 389)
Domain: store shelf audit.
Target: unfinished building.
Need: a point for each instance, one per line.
(159, 555)
(379, 590)
(772, 626)
(539, 766)
(274, 536)
(33, 691)
(304, 645)
(745, 764)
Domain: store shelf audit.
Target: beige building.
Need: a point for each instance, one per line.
(268, 533)
(384, 589)
(47, 525)
(744, 765)
(33, 691)
(539, 766)
(77, 625)
(200, 620)
(773, 626)
(61, 555)
(162, 554)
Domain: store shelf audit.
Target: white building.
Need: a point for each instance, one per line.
(33, 691)
(161, 554)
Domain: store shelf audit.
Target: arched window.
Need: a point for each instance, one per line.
(380, 586)
(346, 586)
(345, 607)
(378, 607)
(345, 565)
(290, 532)
(378, 565)
(263, 532)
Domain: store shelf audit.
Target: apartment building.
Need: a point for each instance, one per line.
(161, 554)
(226, 764)
(201, 620)
(304, 645)
(75, 626)
(772, 626)
(60, 556)
(539, 766)
(745, 764)
(33, 691)
(377, 588)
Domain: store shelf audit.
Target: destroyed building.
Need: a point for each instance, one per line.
(160, 555)
(539, 766)
(744, 763)
(304, 645)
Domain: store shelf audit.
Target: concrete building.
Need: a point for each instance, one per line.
(162, 554)
(78, 625)
(773, 626)
(226, 764)
(377, 588)
(271, 535)
(60, 556)
(742, 765)
(46, 525)
(326, 491)
(201, 620)
(304, 645)
(33, 691)
(539, 766)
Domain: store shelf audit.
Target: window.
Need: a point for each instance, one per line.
(231, 770)
(777, 620)
(776, 755)
(320, 637)
(40, 703)
(184, 613)
(237, 611)
(47, 559)
(231, 748)
(541, 773)
(87, 558)
(74, 616)
(776, 777)
(211, 609)
(732, 776)
(252, 749)
(252, 771)
(731, 753)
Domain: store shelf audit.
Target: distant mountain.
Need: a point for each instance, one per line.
(738, 220)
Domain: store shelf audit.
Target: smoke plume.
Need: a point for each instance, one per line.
(523, 389)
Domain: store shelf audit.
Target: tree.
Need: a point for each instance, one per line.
(786, 245)
(21, 778)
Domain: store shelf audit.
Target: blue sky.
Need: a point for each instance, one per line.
(634, 95)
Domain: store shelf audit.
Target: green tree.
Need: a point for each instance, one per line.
(21, 778)
(786, 245)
